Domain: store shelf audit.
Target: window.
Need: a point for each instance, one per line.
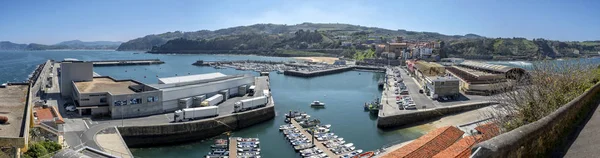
(119, 103)
(102, 100)
(135, 101)
(152, 99)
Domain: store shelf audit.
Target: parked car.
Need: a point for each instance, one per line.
(421, 91)
(404, 92)
(70, 108)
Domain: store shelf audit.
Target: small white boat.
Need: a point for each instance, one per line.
(317, 103)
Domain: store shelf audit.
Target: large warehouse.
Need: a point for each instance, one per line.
(175, 88)
(484, 78)
(103, 95)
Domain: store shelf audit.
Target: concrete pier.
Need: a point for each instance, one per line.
(127, 62)
(317, 144)
(232, 147)
(330, 71)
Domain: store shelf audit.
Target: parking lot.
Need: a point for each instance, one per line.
(421, 101)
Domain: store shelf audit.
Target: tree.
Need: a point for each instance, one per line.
(36, 150)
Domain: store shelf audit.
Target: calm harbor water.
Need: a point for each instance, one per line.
(344, 94)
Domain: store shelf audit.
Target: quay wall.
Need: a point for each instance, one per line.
(330, 71)
(174, 133)
(407, 118)
(317, 73)
(540, 138)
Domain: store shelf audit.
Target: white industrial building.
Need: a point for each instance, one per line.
(197, 85)
(103, 95)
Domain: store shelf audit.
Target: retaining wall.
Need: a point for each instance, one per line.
(408, 118)
(157, 135)
(538, 138)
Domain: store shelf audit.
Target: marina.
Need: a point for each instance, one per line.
(315, 140)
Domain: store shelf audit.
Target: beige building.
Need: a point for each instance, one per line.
(483, 78)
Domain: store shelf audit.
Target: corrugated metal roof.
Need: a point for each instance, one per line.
(189, 78)
(486, 66)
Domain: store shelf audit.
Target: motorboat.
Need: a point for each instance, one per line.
(351, 154)
(324, 135)
(249, 143)
(248, 149)
(300, 142)
(249, 153)
(291, 131)
(327, 138)
(334, 144)
(247, 139)
(247, 146)
(317, 103)
(325, 126)
(216, 156)
(294, 114)
(285, 127)
(219, 146)
(219, 152)
(303, 146)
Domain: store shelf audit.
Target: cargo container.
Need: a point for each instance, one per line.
(233, 92)
(225, 94)
(198, 100)
(188, 114)
(212, 101)
(185, 103)
(242, 90)
(252, 103)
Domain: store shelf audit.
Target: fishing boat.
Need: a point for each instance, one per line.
(317, 103)
(367, 154)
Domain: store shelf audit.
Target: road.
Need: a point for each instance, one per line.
(586, 142)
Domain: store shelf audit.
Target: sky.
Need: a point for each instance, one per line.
(53, 21)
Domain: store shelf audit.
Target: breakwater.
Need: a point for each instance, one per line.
(174, 133)
(127, 62)
(211, 63)
(330, 71)
(411, 117)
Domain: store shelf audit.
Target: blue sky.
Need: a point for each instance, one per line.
(53, 21)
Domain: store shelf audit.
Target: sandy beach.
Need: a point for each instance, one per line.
(328, 60)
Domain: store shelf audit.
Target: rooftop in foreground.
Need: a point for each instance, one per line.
(105, 84)
(13, 100)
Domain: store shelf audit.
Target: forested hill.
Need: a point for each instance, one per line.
(346, 40)
(337, 32)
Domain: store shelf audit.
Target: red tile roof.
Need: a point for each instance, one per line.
(488, 130)
(461, 149)
(429, 144)
(48, 114)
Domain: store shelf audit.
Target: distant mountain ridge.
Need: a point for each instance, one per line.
(333, 30)
(74, 44)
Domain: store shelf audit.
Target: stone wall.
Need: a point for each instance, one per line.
(157, 135)
(538, 138)
(411, 117)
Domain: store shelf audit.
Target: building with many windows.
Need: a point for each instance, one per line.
(106, 96)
